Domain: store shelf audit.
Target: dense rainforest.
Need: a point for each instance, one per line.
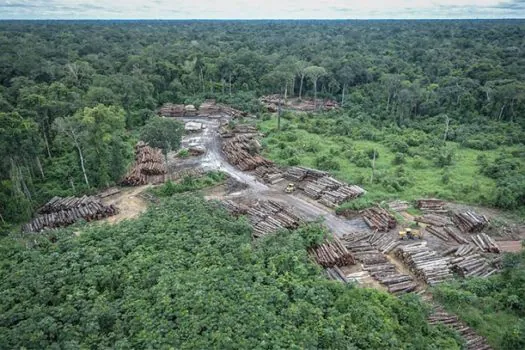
(74, 94)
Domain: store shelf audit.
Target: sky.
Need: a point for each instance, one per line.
(259, 9)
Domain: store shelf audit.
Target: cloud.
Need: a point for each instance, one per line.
(260, 9)
(514, 5)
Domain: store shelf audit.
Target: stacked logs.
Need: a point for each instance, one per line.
(237, 150)
(434, 220)
(265, 216)
(425, 263)
(398, 205)
(469, 221)
(378, 219)
(461, 250)
(335, 273)
(486, 243)
(148, 167)
(335, 197)
(438, 232)
(431, 205)
(295, 174)
(61, 212)
(473, 341)
(370, 251)
(269, 174)
(384, 242)
(171, 110)
(331, 253)
(472, 265)
(453, 232)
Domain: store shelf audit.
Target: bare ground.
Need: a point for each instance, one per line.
(128, 202)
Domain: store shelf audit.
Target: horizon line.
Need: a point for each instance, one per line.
(266, 19)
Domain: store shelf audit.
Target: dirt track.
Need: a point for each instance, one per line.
(214, 159)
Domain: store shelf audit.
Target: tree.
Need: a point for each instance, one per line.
(314, 73)
(300, 68)
(162, 133)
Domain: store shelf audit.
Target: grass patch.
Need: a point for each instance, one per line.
(426, 167)
(190, 183)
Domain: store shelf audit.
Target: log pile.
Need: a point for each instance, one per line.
(486, 243)
(461, 250)
(434, 220)
(431, 205)
(455, 234)
(378, 219)
(398, 205)
(439, 232)
(149, 162)
(384, 242)
(295, 174)
(269, 174)
(425, 263)
(61, 212)
(237, 150)
(370, 250)
(331, 253)
(335, 273)
(469, 221)
(265, 216)
(209, 107)
(473, 341)
(472, 265)
(171, 110)
(344, 193)
(191, 172)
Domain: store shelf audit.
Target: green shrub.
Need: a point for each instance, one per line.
(327, 163)
(399, 158)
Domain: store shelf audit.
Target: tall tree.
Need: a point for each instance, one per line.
(314, 73)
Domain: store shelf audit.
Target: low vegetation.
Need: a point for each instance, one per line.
(190, 183)
(406, 162)
(494, 306)
(186, 275)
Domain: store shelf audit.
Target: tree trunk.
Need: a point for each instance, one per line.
(315, 95)
(47, 145)
(81, 156)
(343, 98)
(446, 128)
(285, 92)
(301, 87)
(279, 115)
(230, 85)
(72, 184)
(373, 167)
(501, 111)
(40, 167)
(222, 84)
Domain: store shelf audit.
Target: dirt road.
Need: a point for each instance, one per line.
(214, 159)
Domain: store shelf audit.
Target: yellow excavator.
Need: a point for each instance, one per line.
(290, 188)
(408, 233)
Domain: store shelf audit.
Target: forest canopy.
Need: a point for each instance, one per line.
(55, 76)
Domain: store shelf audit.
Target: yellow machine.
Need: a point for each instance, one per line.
(290, 188)
(410, 234)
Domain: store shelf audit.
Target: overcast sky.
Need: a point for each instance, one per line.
(257, 9)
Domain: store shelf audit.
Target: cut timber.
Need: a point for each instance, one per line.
(431, 205)
(149, 162)
(472, 340)
(265, 216)
(470, 222)
(331, 253)
(379, 219)
(425, 263)
(241, 151)
(434, 220)
(61, 212)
